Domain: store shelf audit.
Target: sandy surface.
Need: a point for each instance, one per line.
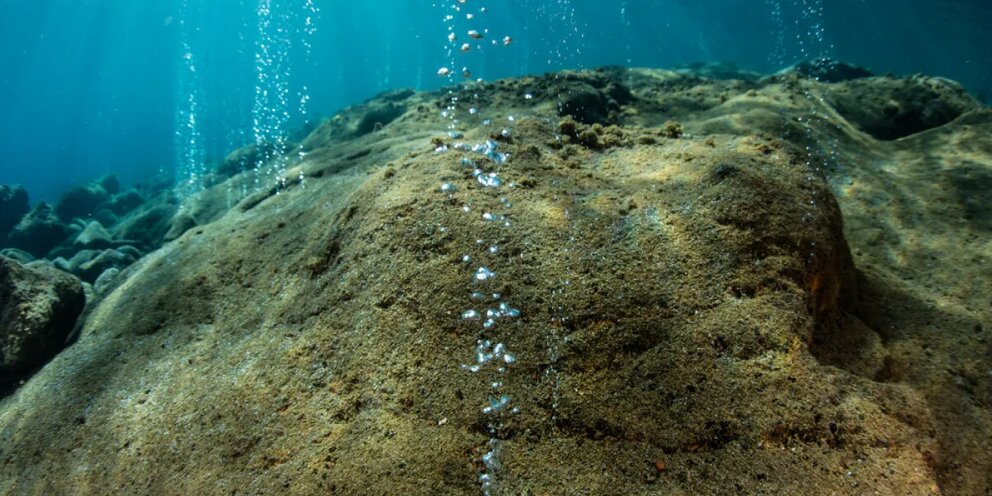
(771, 286)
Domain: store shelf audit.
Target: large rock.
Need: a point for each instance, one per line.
(13, 206)
(181, 223)
(831, 71)
(250, 156)
(18, 255)
(123, 203)
(81, 201)
(595, 100)
(690, 317)
(39, 231)
(110, 183)
(893, 108)
(106, 280)
(148, 225)
(38, 309)
(89, 264)
(94, 236)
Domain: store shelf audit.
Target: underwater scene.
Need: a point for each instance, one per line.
(495, 247)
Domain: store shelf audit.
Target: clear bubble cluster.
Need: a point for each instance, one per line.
(490, 149)
(467, 39)
(487, 353)
(190, 150)
(275, 102)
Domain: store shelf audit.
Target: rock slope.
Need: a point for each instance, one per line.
(725, 286)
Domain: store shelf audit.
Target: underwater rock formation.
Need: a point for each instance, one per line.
(891, 108)
(38, 309)
(125, 202)
(81, 201)
(13, 206)
(830, 71)
(38, 232)
(94, 236)
(724, 286)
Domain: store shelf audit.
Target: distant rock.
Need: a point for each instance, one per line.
(76, 260)
(106, 280)
(379, 116)
(831, 71)
(89, 264)
(125, 202)
(106, 217)
(13, 206)
(18, 255)
(893, 108)
(81, 201)
(39, 231)
(181, 223)
(62, 264)
(720, 71)
(130, 251)
(38, 309)
(94, 236)
(148, 225)
(245, 158)
(110, 183)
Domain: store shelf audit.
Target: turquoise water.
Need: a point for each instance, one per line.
(109, 86)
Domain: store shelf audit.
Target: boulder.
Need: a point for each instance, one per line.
(18, 255)
(125, 202)
(89, 267)
(597, 99)
(249, 156)
(93, 236)
(683, 316)
(38, 310)
(892, 108)
(81, 201)
(62, 264)
(106, 217)
(106, 280)
(110, 183)
(831, 71)
(13, 206)
(38, 232)
(181, 223)
(130, 251)
(148, 225)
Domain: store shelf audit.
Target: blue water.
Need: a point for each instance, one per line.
(89, 87)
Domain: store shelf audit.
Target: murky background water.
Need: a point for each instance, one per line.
(156, 89)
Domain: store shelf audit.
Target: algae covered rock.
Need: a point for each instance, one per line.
(94, 236)
(831, 71)
(13, 206)
(675, 313)
(148, 225)
(106, 280)
(18, 255)
(181, 223)
(893, 108)
(595, 100)
(39, 231)
(81, 201)
(110, 183)
(88, 265)
(38, 309)
(123, 203)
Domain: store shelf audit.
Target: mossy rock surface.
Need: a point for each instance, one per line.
(696, 316)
